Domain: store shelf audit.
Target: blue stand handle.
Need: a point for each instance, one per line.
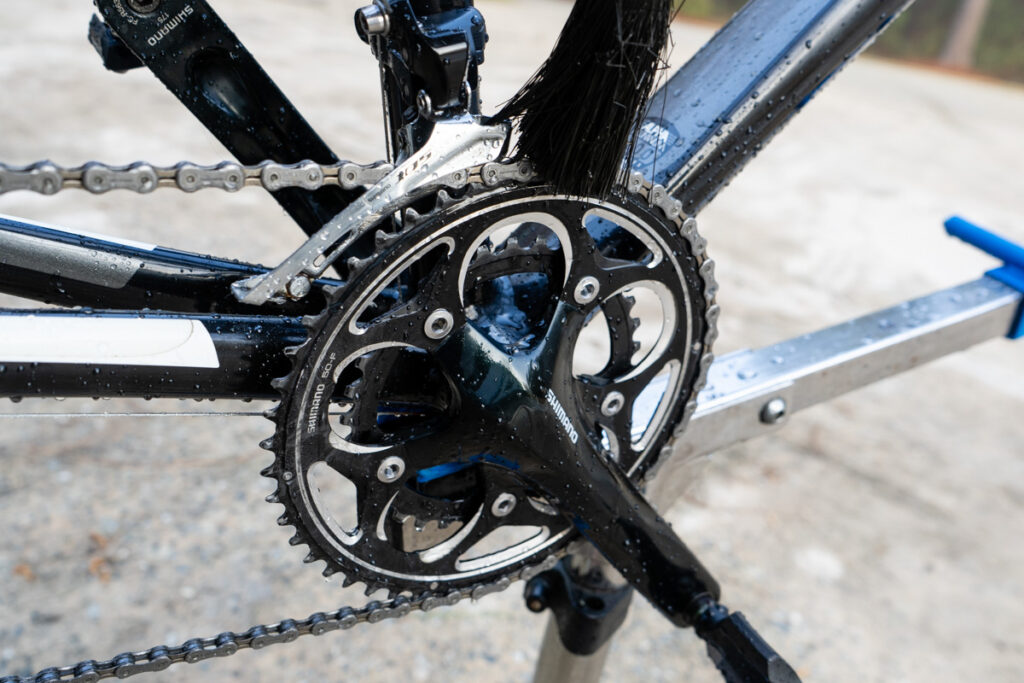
(1011, 274)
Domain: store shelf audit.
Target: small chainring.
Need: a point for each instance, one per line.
(392, 476)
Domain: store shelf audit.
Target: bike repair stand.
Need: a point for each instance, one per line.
(589, 600)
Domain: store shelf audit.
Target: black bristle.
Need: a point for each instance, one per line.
(578, 117)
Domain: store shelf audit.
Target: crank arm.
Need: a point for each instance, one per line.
(609, 511)
(193, 52)
(520, 396)
(455, 146)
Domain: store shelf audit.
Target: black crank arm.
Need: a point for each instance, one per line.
(193, 52)
(611, 513)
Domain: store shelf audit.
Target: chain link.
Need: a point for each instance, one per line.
(47, 178)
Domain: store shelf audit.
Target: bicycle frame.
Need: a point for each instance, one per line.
(704, 125)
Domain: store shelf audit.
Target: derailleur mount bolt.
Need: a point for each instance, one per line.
(774, 411)
(425, 105)
(439, 324)
(612, 404)
(391, 469)
(503, 505)
(587, 290)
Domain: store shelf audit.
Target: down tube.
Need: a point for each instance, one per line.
(726, 103)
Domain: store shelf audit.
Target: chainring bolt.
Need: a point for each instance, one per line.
(299, 287)
(586, 290)
(612, 404)
(503, 505)
(439, 324)
(391, 469)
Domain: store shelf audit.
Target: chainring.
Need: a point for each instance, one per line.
(389, 475)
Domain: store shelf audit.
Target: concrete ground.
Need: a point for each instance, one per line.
(876, 538)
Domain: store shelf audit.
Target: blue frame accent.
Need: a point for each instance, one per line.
(1011, 274)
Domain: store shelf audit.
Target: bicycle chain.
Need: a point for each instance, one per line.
(48, 178)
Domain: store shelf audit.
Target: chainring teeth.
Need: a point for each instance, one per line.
(385, 245)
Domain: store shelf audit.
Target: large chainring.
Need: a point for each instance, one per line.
(393, 476)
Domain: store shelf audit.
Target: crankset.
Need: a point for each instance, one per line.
(451, 385)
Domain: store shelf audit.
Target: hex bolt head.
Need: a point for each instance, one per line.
(373, 20)
(391, 469)
(439, 324)
(612, 403)
(503, 505)
(424, 104)
(774, 411)
(587, 290)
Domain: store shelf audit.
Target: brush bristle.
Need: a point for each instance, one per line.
(579, 115)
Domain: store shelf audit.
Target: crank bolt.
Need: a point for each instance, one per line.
(612, 404)
(391, 469)
(372, 20)
(299, 287)
(774, 411)
(439, 324)
(586, 290)
(144, 6)
(503, 505)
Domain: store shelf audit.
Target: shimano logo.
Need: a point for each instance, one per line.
(313, 421)
(169, 23)
(563, 419)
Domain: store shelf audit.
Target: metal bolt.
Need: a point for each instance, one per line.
(774, 411)
(503, 505)
(373, 20)
(586, 290)
(612, 404)
(299, 287)
(391, 469)
(144, 6)
(424, 104)
(439, 324)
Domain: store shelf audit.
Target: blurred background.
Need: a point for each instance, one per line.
(967, 35)
(871, 539)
